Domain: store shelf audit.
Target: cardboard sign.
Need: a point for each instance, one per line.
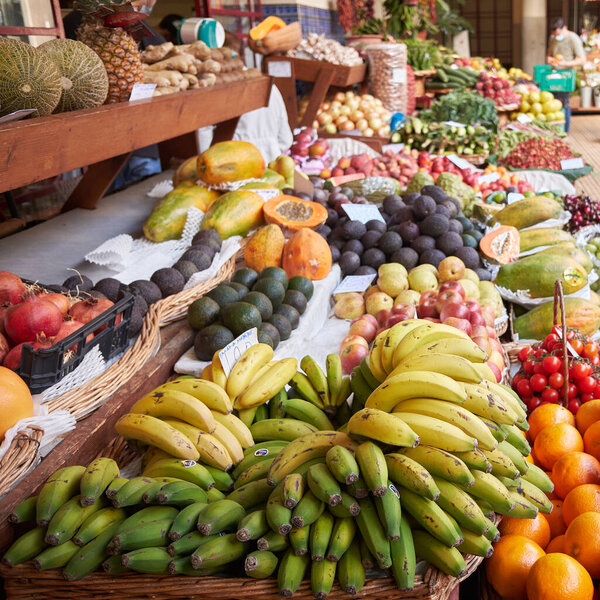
(354, 283)
(234, 350)
(572, 163)
(141, 91)
(280, 68)
(362, 212)
(459, 162)
(302, 184)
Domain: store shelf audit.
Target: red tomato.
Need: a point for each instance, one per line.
(538, 382)
(574, 406)
(586, 384)
(572, 391)
(549, 395)
(533, 403)
(586, 397)
(550, 340)
(580, 370)
(524, 388)
(524, 353)
(552, 364)
(590, 350)
(556, 380)
(595, 360)
(577, 345)
(515, 381)
(538, 368)
(528, 367)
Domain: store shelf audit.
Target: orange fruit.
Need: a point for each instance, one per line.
(554, 441)
(508, 568)
(548, 414)
(591, 440)
(583, 498)
(536, 529)
(556, 544)
(15, 400)
(558, 576)
(573, 469)
(588, 414)
(555, 519)
(582, 541)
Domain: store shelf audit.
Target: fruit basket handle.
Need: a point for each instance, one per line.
(559, 304)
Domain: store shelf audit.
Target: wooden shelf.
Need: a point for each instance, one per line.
(35, 149)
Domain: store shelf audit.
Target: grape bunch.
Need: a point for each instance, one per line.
(584, 210)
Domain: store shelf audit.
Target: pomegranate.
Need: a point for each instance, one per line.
(25, 321)
(12, 289)
(86, 310)
(3, 309)
(69, 326)
(4, 348)
(60, 300)
(13, 359)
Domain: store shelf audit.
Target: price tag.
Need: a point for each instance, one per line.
(280, 68)
(523, 118)
(140, 91)
(266, 194)
(514, 197)
(362, 212)
(353, 132)
(399, 75)
(572, 163)
(453, 124)
(17, 115)
(354, 283)
(232, 352)
(459, 162)
(488, 178)
(454, 67)
(393, 147)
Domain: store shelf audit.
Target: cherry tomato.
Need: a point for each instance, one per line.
(595, 360)
(533, 403)
(550, 395)
(573, 391)
(570, 335)
(580, 370)
(586, 384)
(515, 381)
(524, 353)
(538, 382)
(538, 368)
(524, 388)
(552, 364)
(528, 367)
(574, 406)
(577, 345)
(556, 380)
(539, 353)
(550, 340)
(590, 350)
(586, 397)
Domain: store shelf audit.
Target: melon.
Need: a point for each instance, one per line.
(27, 79)
(83, 78)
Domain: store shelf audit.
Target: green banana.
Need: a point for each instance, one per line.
(291, 572)
(485, 507)
(67, 520)
(246, 415)
(260, 564)
(478, 545)
(153, 533)
(188, 543)
(348, 507)
(147, 515)
(529, 492)
(183, 566)
(280, 429)
(299, 539)
(335, 374)
(188, 496)
(404, 561)
(223, 480)
(97, 477)
(220, 516)
(358, 489)
(132, 492)
(186, 520)
(24, 512)
(301, 384)
(497, 430)
(58, 489)
(320, 534)
(113, 566)
(351, 573)
(214, 495)
(515, 456)
(252, 526)
(302, 410)
(360, 388)
(447, 559)
(342, 464)
(187, 470)
(411, 475)
(317, 378)
(96, 523)
(501, 463)
(474, 459)
(251, 494)
(261, 413)
(440, 464)
(260, 455)
(323, 485)
(257, 471)
(170, 492)
(458, 504)
(26, 547)
(322, 576)
(390, 511)
(275, 542)
(367, 559)
(538, 478)
(292, 489)
(307, 511)
(154, 561)
(278, 516)
(492, 490)
(341, 538)
(373, 533)
(114, 486)
(261, 446)
(492, 532)
(219, 551)
(373, 467)
(276, 409)
(515, 438)
(523, 509)
(149, 496)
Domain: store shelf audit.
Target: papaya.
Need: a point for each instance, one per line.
(187, 171)
(257, 185)
(537, 323)
(543, 236)
(292, 213)
(528, 212)
(274, 178)
(167, 220)
(501, 244)
(235, 213)
(569, 249)
(538, 272)
(265, 248)
(230, 161)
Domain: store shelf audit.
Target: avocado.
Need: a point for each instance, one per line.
(390, 242)
(263, 338)
(240, 316)
(456, 226)
(373, 257)
(302, 284)
(469, 256)
(240, 288)
(409, 231)
(376, 225)
(186, 267)
(272, 288)
(296, 299)
(392, 203)
(202, 312)
(290, 313)
(350, 261)
(335, 254)
(449, 243)
(223, 295)
(283, 326)
(432, 257)
(424, 206)
(199, 258)
(78, 283)
(109, 287)
(148, 290)
(370, 239)
(422, 243)
(353, 246)
(209, 236)
(469, 240)
(169, 280)
(210, 339)
(272, 332)
(365, 270)
(262, 302)
(354, 230)
(245, 276)
(275, 273)
(435, 225)
(406, 257)
(205, 249)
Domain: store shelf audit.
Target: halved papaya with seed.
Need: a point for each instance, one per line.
(293, 213)
(501, 245)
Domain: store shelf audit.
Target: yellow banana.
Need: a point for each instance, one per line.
(420, 336)
(230, 442)
(246, 368)
(508, 398)
(263, 389)
(484, 371)
(237, 427)
(207, 373)
(217, 371)
(208, 392)
(374, 424)
(395, 335)
(375, 362)
(456, 367)
(484, 403)
(450, 345)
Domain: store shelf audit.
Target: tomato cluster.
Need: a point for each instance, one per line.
(541, 378)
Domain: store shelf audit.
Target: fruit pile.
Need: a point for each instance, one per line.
(498, 89)
(451, 294)
(538, 153)
(584, 211)
(539, 106)
(497, 190)
(451, 78)
(401, 165)
(555, 555)
(310, 152)
(313, 500)
(349, 111)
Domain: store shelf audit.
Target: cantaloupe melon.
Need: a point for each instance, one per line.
(27, 79)
(83, 77)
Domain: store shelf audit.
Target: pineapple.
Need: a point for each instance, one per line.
(114, 45)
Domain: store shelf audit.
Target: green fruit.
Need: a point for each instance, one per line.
(275, 273)
(245, 276)
(272, 288)
(469, 240)
(296, 299)
(283, 326)
(223, 295)
(240, 288)
(202, 312)
(241, 316)
(262, 302)
(290, 313)
(210, 339)
(302, 284)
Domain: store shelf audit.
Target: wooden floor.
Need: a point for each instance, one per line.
(585, 139)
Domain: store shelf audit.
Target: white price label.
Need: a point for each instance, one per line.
(363, 212)
(453, 124)
(353, 132)
(233, 351)
(459, 162)
(523, 118)
(280, 68)
(572, 163)
(488, 178)
(140, 91)
(399, 75)
(392, 147)
(266, 194)
(514, 197)
(354, 283)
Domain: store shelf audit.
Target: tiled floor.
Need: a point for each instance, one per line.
(585, 139)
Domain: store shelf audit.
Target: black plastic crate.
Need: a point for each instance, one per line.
(42, 368)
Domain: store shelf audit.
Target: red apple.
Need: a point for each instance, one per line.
(461, 324)
(364, 328)
(352, 340)
(427, 308)
(495, 370)
(403, 308)
(428, 294)
(454, 309)
(472, 304)
(432, 319)
(479, 331)
(344, 162)
(352, 356)
(491, 332)
(448, 297)
(476, 318)
(367, 317)
(382, 317)
(398, 318)
(496, 345)
(483, 343)
(452, 285)
(497, 358)
(317, 149)
(489, 315)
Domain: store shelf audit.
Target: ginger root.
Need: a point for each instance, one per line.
(184, 63)
(153, 54)
(210, 66)
(163, 91)
(207, 80)
(163, 78)
(192, 80)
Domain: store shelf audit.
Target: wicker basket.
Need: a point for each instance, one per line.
(475, 159)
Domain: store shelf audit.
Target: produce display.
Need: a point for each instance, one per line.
(451, 77)
(584, 210)
(310, 152)
(463, 107)
(318, 47)
(539, 106)
(498, 89)
(421, 55)
(538, 153)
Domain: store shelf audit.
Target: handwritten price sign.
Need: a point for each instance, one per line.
(233, 351)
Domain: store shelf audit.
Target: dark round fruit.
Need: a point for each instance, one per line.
(484, 274)
(349, 262)
(202, 312)
(469, 256)
(207, 234)
(262, 302)
(332, 218)
(210, 339)
(424, 206)
(148, 290)
(290, 313)
(272, 332)
(469, 240)
(354, 230)
(406, 213)
(365, 270)
(302, 284)
(283, 326)
(109, 287)
(456, 203)
(450, 207)
(449, 243)
(223, 295)
(245, 276)
(263, 338)
(435, 192)
(320, 195)
(455, 226)
(303, 196)
(201, 260)
(272, 288)
(324, 230)
(406, 257)
(442, 211)
(207, 249)
(434, 225)
(392, 203)
(78, 283)
(409, 231)
(353, 246)
(348, 192)
(288, 191)
(370, 239)
(186, 267)
(376, 225)
(410, 198)
(476, 234)
(432, 257)
(275, 273)
(296, 299)
(373, 257)
(136, 322)
(335, 254)
(240, 288)
(337, 243)
(170, 281)
(390, 242)
(240, 316)
(422, 243)
(97, 294)
(467, 225)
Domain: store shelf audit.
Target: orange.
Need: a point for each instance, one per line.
(557, 576)
(556, 544)
(548, 414)
(536, 529)
(582, 541)
(573, 469)
(554, 441)
(591, 440)
(583, 498)
(15, 400)
(588, 414)
(555, 519)
(508, 568)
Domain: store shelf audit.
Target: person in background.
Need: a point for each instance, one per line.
(565, 51)
(169, 26)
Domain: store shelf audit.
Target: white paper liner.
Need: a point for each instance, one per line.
(161, 189)
(583, 236)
